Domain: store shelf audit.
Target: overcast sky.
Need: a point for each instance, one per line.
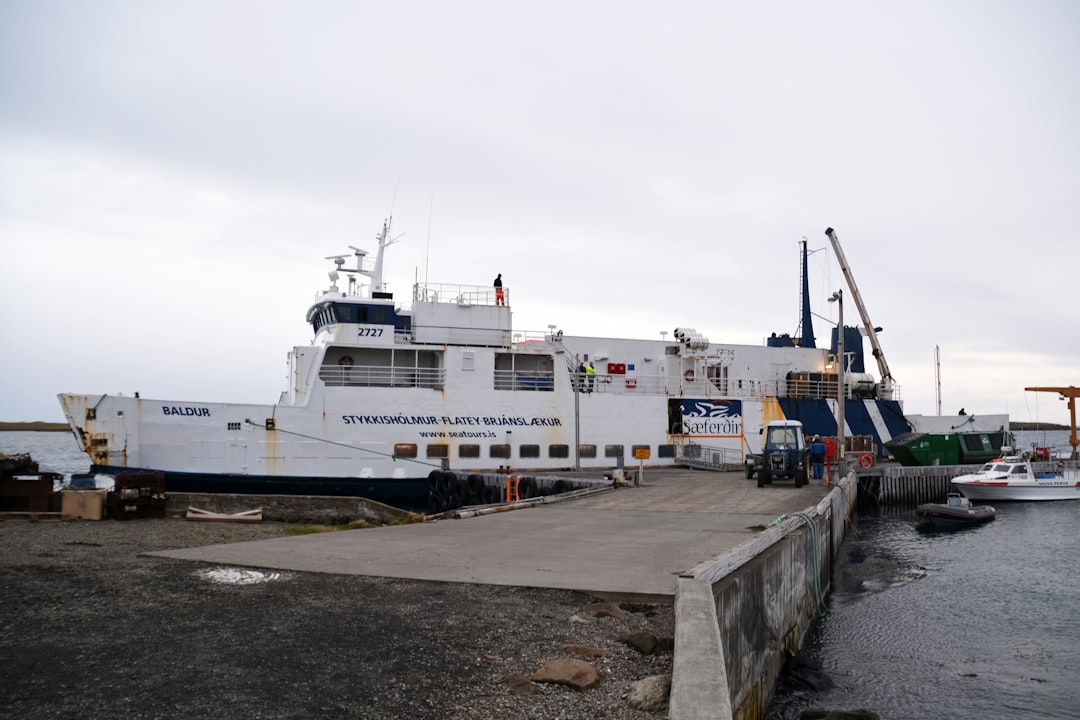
(172, 175)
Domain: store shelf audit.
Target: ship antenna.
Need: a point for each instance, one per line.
(427, 250)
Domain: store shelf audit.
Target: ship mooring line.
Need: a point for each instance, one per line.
(815, 554)
(392, 456)
(815, 559)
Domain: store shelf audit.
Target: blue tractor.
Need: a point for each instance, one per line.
(784, 454)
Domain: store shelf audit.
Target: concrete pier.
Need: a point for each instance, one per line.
(743, 565)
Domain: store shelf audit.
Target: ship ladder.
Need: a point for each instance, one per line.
(512, 483)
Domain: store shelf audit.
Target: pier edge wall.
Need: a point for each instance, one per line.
(765, 593)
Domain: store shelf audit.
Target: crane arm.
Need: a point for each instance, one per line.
(1067, 393)
(879, 354)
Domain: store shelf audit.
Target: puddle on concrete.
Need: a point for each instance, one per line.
(240, 576)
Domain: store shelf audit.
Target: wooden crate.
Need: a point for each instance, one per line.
(83, 504)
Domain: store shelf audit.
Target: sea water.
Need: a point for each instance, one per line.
(56, 452)
(980, 623)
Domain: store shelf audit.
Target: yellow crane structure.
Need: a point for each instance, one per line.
(1070, 393)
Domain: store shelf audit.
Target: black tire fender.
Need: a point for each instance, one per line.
(527, 488)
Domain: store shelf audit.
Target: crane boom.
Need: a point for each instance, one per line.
(879, 355)
(1067, 393)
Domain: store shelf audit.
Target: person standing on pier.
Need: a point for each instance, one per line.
(817, 458)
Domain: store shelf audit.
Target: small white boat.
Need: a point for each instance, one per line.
(1012, 478)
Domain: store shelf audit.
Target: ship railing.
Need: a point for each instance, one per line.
(802, 388)
(527, 339)
(631, 384)
(828, 389)
(463, 295)
(382, 376)
(618, 384)
(708, 457)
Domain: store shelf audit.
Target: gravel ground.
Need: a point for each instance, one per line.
(91, 629)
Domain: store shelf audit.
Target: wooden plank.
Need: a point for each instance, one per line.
(35, 516)
(251, 516)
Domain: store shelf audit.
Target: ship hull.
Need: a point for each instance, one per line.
(227, 448)
(1020, 491)
(407, 493)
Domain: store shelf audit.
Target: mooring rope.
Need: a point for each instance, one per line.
(815, 558)
(815, 555)
(392, 456)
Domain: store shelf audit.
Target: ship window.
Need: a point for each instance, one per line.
(587, 451)
(382, 367)
(438, 451)
(520, 371)
(499, 451)
(529, 451)
(615, 451)
(234, 426)
(468, 451)
(665, 451)
(405, 450)
(558, 451)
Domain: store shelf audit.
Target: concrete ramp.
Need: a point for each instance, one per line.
(631, 543)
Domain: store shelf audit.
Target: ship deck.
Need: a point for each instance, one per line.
(628, 544)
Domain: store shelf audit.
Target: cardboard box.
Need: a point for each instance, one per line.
(83, 504)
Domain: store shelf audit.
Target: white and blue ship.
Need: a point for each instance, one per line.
(389, 392)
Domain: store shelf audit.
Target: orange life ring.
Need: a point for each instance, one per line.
(689, 375)
(631, 382)
(866, 461)
(345, 361)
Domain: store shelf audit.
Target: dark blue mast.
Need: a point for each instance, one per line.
(807, 321)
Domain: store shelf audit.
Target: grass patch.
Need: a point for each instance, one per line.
(353, 525)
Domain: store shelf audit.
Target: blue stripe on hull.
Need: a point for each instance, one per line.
(815, 415)
(818, 419)
(406, 493)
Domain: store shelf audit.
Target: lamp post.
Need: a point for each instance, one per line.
(841, 394)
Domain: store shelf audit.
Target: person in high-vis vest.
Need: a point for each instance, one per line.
(590, 372)
(500, 299)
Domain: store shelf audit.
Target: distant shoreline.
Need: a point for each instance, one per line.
(1021, 425)
(34, 427)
